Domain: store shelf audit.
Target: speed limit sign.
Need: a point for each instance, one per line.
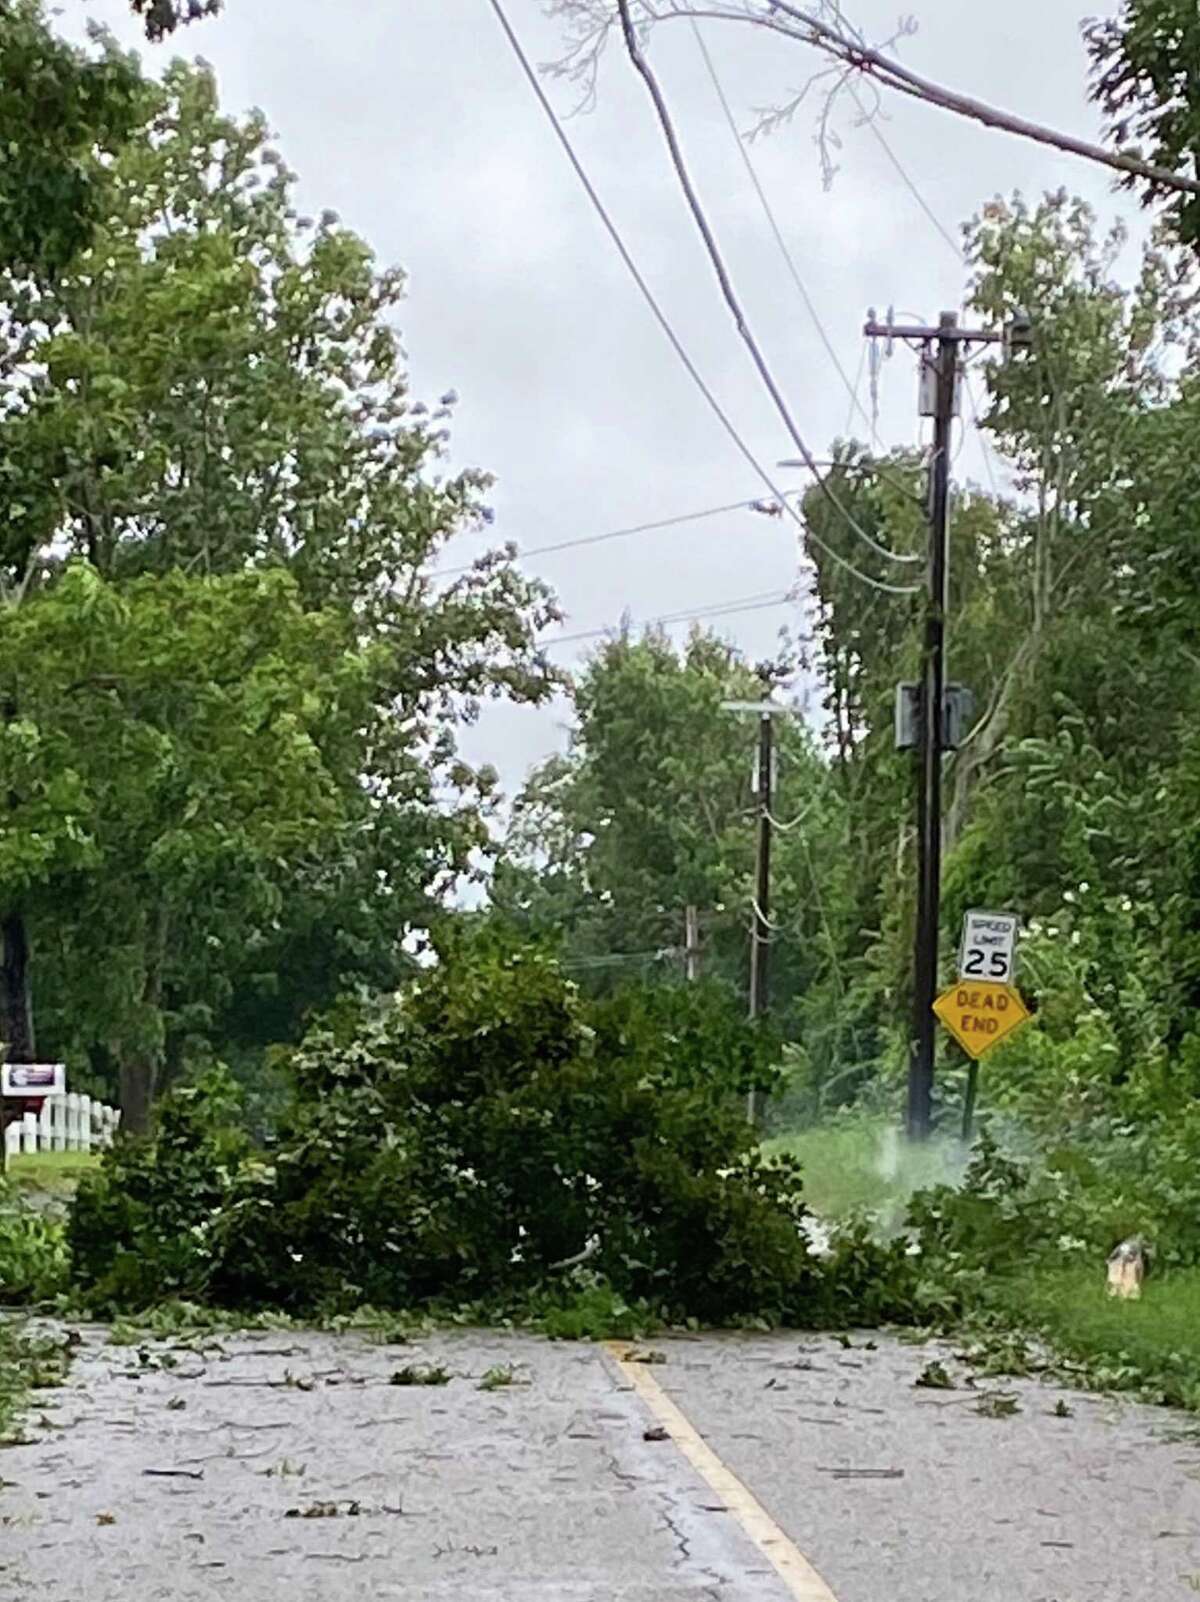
(989, 946)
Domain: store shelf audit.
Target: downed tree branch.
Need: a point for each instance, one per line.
(790, 22)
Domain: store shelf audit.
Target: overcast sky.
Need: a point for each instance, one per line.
(412, 120)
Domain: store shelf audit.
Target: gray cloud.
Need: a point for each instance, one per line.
(411, 120)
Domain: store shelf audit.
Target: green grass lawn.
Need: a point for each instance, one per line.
(1151, 1345)
(1126, 1345)
(53, 1172)
(865, 1164)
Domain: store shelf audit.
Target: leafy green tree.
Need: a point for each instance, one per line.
(59, 108)
(167, 788)
(652, 809)
(215, 388)
(1146, 79)
(1072, 619)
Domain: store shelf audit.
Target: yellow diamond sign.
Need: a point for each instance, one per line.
(979, 1015)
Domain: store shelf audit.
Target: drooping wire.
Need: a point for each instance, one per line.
(762, 366)
(748, 603)
(784, 250)
(663, 321)
(754, 504)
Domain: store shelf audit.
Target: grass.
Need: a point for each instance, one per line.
(54, 1173)
(861, 1164)
(1151, 1345)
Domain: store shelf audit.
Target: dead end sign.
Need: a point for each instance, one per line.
(979, 1015)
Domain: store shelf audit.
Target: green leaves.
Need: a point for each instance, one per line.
(60, 110)
(462, 1142)
(1146, 80)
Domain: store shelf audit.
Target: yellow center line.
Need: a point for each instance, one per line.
(797, 1573)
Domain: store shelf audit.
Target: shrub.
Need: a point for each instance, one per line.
(33, 1253)
(464, 1143)
(140, 1226)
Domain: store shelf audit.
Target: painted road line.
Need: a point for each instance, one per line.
(797, 1573)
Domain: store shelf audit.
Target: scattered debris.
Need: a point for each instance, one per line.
(468, 1551)
(106, 1518)
(640, 1355)
(500, 1377)
(176, 1404)
(656, 1432)
(1062, 1410)
(934, 1377)
(173, 1474)
(325, 1510)
(413, 1374)
(997, 1404)
(863, 1473)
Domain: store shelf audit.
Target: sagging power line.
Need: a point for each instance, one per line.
(648, 76)
(664, 322)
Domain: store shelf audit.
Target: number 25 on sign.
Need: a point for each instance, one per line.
(980, 1016)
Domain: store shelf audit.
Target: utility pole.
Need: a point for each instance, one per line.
(940, 372)
(943, 380)
(760, 928)
(760, 943)
(691, 942)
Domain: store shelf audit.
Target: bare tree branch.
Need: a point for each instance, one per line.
(825, 27)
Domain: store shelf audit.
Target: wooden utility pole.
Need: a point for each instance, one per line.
(940, 372)
(760, 945)
(760, 927)
(691, 943)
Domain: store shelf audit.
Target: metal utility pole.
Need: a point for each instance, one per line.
(940, 373)
(944, 381)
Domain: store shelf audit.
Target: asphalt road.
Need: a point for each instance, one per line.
(288, 1466)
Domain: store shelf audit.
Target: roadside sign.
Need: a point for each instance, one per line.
(980, 1016)
(30, 1079)
(989, 945)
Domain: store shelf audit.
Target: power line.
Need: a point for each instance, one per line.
(620, 533)
(772, 222)
(955, 246)
(749, 603)
(765, 506)
(855, 402)
(762, 366)
(662, 319)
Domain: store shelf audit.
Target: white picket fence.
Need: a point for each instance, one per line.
(65, 1123)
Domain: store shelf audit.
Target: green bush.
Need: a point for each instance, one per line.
(140, 1226)
(33, 1252)
(463, 1144)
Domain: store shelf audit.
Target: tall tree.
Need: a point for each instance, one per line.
(652, 809)
(216, 387)
(1146, 79)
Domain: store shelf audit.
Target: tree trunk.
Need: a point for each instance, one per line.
(16, 994)
(140, 1072)
(138, 1080)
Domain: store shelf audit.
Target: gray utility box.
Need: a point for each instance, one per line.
(958, 714)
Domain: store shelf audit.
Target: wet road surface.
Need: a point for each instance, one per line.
(288, 1466)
